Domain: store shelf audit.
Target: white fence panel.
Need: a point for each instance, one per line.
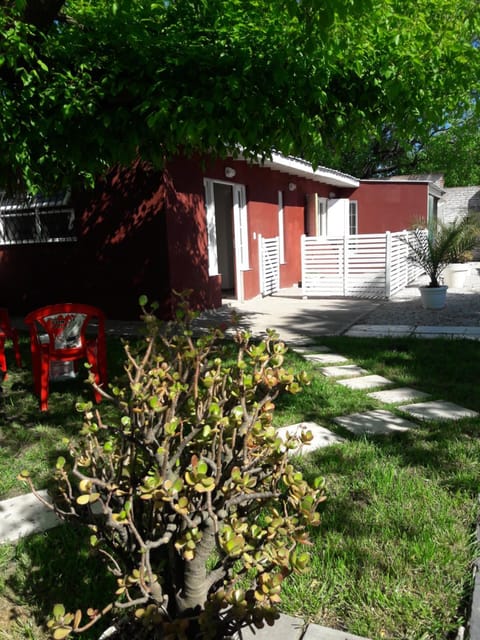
(323, 265)
(269, 260)
(364, 266)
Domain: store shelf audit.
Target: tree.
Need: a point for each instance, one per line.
(87, 84)
(455, 151)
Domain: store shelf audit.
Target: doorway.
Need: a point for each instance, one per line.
(227, 235)
(223, 202)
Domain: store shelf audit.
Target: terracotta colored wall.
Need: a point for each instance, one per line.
(32, 276)
(389, 206)
(262, 186)
(142, 231)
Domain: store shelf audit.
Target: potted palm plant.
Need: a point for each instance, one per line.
(434, 251)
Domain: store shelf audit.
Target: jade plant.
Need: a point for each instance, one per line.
(191, 496)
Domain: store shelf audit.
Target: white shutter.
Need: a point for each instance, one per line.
(211, 228)
(337, 217)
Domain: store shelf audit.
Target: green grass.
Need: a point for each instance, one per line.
(392, 557)
(33, 440)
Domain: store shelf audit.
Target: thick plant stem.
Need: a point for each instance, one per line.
(195, 579)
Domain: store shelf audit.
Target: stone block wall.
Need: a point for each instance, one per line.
(457, 202)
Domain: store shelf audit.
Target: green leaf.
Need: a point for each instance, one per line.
(58, 610)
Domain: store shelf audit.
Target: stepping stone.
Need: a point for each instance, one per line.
(316, 632)
(403, 394)
(312, 348)
(447, 332)
(380, 330)
(285, 628)
(325, 358)
(322, 437)
(438, 410)
(348, 370)
(365, 382)
(374, 422)
(24, 515)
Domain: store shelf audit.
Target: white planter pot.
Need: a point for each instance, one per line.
(455, 275)
(433, 297)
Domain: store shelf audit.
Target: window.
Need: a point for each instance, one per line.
(36, 219)
(353, 218)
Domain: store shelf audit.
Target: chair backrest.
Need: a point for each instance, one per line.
(64, 325)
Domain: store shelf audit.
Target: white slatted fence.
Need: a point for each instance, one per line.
(269, 261)
(362, 266)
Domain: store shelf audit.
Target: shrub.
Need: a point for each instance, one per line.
(190, 496)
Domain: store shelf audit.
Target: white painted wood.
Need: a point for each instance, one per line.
(337, 217)
(269, 261)
(366, 265)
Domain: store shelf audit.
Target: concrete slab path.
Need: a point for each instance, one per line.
(325, 358)
(376, 422)
(365, 382)
(24, 515)
(406, 331)
(399, 395)
(345, 371)
(437, 410)
(322, 437)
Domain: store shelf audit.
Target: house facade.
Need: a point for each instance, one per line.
(220, 228)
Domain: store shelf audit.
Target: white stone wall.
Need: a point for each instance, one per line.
(458, 201)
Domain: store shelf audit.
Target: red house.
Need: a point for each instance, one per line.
(218, 227)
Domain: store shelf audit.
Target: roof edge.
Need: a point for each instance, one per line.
(303, 169)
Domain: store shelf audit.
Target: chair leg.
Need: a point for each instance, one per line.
(44, 383)
(16, 348)
(3, 360)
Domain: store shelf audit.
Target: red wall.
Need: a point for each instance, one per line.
(262, 186)
(143, 231)
(389, 206)
(120, 252)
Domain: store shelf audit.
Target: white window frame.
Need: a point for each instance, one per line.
(281, 227)
(321, 216)
(353, 217)
(211, 228)
(240, 224)
(240, 220)
(37, 209)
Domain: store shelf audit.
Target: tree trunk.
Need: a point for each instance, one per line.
(195, 582)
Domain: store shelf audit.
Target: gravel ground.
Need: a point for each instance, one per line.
(462, 309)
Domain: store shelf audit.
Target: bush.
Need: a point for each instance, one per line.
(190, 496)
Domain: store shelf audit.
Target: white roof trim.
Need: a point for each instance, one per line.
(303, 169)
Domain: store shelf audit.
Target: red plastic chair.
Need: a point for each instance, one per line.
(57, 337)
(8, 332)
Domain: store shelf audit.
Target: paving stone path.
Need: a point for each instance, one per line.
(377, 421)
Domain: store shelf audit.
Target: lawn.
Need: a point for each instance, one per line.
(392, 558)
